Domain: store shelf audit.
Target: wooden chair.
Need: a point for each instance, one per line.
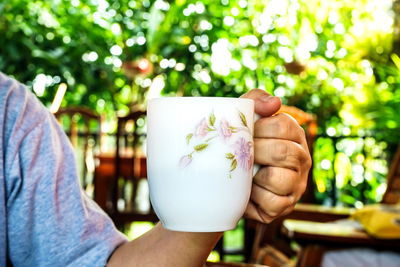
(130, 172)
(83, 127)
(317, 230)
(392, 193)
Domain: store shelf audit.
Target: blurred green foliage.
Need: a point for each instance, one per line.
(335, 59)
(350, 171)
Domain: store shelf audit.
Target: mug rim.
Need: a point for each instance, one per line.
(202, 98)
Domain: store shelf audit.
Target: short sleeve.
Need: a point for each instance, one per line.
(50, 221)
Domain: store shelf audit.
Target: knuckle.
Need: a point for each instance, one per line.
(301, 130)
(299, 191)
(273, 214)
(304, 157)
(265, 217)
(301, 133)
(303, 186)
(309, 161)
(287, 119)
(280, 151)
(295, 156)
(262, 176)
(284, 116)
(306, 163)
(283, 124)
(292, 201)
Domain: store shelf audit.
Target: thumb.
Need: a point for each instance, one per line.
(265, 104)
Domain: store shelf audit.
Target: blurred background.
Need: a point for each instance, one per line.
(338, 60)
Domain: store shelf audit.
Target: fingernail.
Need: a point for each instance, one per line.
(267, 98)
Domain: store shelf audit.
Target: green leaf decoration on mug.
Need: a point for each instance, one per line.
(212, 119)
(230, 156)
(210, 128)
(200, 147)
(188, 137)
(233, 165)
(243, 118)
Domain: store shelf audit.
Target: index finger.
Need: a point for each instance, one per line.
(280, 126)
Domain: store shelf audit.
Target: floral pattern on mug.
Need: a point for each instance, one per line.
(201, 128)
(243, 153)
(225, 129)
(185, 160)
(208, 129)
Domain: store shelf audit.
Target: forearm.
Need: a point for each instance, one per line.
(161, 247)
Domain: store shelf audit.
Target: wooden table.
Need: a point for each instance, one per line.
(104, 173)
(323, 234)
(335, 234)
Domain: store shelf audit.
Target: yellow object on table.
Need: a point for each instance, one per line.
(380, 221)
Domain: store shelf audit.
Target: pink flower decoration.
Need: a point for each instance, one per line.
(243, 154)
(225, 129)
(201, 128)
(185, 161)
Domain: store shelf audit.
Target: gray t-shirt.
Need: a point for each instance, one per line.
(45, 218)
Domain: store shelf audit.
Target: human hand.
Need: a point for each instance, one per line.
(280, 148)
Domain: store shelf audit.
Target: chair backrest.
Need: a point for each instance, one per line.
(130, 172)
(130, 134)
(392, 194)
(83, 127)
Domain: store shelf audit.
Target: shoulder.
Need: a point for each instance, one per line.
(22, 117)
(20, 110)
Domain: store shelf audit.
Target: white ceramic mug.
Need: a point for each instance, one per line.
(200, 161)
